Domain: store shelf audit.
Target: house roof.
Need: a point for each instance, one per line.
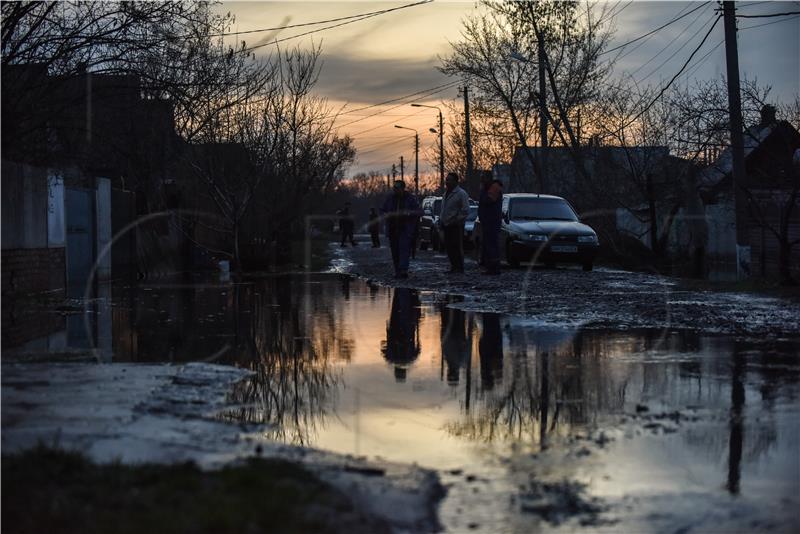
(715, 173)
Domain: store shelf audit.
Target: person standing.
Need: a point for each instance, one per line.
(346, 225)
(401, 211)
(375, 227)
(455, 208)
(489, 213)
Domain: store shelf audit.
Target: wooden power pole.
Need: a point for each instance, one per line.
(542, 113)
(737, 141)
(467, 135)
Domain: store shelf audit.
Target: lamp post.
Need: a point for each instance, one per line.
(441, 142)
(416, 156)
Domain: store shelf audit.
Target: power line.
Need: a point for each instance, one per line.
(328, 21)
(769, 23)
(643, 41)
(398, 98)
(673, 41)
(676, 51)
(703, 59)
(787, 13)
(358, 153)
(667, 86)
(397, 106)
(351, 21)
(386, 123)
(654, 31)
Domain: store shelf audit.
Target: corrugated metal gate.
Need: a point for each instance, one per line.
(80, 239)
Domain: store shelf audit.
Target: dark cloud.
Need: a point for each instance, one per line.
(358, 79)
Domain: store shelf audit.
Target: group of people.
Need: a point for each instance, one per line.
(401, 212)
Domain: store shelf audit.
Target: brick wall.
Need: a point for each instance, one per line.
(30, 271)
(27, 273)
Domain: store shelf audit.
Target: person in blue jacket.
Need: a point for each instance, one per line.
(489, 213)
(401, 212)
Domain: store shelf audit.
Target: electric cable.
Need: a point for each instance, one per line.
(351, 21)
(672, 41)
(398, 98)
(676, 19)
(328, 21)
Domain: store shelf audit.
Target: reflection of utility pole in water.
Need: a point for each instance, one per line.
(356, 422)
(736, 422)
(544, 399)
(470, 329)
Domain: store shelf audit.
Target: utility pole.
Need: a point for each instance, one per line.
(542, 113)
(402, 169)
(737, 141)
(394, 173)
(388, 181)
(441, 152)
(416, 164)
(441, 142)
(467, 135)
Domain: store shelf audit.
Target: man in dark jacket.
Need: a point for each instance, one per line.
(346, 225)
(400, 211)
(375, 227)
(489, 213)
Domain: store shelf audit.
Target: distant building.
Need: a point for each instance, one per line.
(773, 193)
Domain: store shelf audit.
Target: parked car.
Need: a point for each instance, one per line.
(469, 224)
(544, 229)
(429, 224)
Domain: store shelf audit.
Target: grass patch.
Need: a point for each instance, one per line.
(47, 490)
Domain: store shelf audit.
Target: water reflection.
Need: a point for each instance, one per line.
(456, 380)
(456, 344)
(402, 344)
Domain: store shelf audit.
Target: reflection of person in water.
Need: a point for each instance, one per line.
(491, 350)
(402, 345)
(455, 348)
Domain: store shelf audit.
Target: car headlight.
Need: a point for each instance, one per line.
(587, 239)
(537, 237)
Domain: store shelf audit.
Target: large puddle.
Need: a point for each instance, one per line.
(656, 429)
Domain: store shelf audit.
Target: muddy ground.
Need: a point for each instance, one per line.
(602, 298)
(167, 415)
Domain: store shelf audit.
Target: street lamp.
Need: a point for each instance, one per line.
(416, 156)
(441, 142)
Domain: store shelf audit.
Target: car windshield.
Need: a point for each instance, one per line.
(473, 213)
(541, 209)
(437, 206)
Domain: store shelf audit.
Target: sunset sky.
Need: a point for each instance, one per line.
(395, 54)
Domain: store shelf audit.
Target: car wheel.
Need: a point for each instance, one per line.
(550, 265)
(434, 241)
(587, 266)
(512, 260)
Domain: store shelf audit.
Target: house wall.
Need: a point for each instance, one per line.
(721, 248)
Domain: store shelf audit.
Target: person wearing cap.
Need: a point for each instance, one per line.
(400, 211)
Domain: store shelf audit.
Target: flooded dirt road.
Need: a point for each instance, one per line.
(529, 423)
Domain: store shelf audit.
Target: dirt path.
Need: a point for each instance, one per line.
(603, 298)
